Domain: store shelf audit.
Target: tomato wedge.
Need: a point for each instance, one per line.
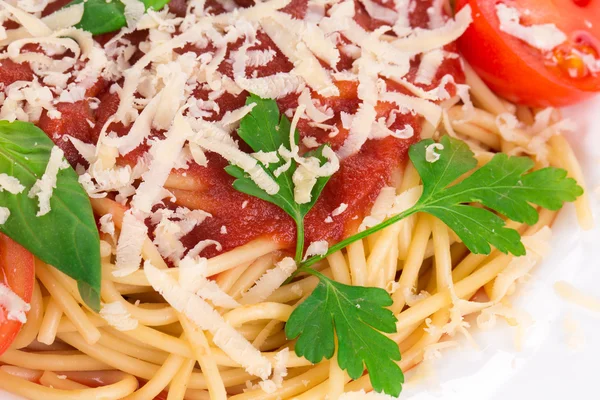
(17, 272)
(524, 74)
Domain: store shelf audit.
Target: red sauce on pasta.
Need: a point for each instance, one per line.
(237, 218)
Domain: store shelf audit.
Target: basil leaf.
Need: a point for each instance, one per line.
(101, 16)
(66, 237)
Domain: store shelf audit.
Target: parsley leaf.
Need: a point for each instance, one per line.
(502, 185)
(263, 129)
(101, 16)
(358, 315)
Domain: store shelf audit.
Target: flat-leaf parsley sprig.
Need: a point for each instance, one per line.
(264, 130)
(359, 316)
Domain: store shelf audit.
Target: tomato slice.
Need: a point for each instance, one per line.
(524, 74)
(17, 272)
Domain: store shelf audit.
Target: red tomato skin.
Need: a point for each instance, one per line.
(518, 76)
(17, 270)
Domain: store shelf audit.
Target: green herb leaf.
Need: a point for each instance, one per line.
(502, 185)
(358, 315)
(66, 237)
(264, 129)
(101, 16)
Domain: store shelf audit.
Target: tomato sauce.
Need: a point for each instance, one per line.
(245, 218)
(11, 72)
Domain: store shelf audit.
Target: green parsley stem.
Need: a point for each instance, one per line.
(304, 266)
(299, 240)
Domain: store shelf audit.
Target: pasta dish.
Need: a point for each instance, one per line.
(279, 199)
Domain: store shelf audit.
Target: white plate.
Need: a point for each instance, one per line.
(546, 367)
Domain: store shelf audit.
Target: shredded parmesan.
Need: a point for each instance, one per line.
(129, 246)
(431, 155)
(118, 317)
(279, 372)
(107, 225)
(543, 37)
(381, 207)
(44, 187)
(430, 63)
(339, 210)
(192, 277)
(10, 184)
(15, 307)
(164, 155)
(4, 214)
(270, 281)
(319, 248)
(570, 293)
(205, 317)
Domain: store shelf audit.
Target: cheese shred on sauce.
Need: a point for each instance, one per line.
(44, 187)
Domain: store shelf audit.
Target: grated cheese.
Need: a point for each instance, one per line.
(379, 12)
(320, 44)
(537, 246)
(140, 129)
(129, 245)
(164, 154)
(311, 110)
(269, 281)
(381, 207)
(424, 40)
(4, 214)
(118, 317)
(266, 158)
(171, 226)
(134, 9)
(192, 277)
(570, 293)
(60, 19)
(107, 225)
(32, 24)
(339, 210)
(260, 58)
(319, 247)
(431, 155)
(279, 372)
(430, 111)
(402, 26)
(15, 307)
(306, 65)
(206, 318)
(10, 184)
(44, 187)
(231, 153)
(543, 37)
(430, 63)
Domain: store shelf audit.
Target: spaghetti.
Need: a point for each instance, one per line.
(66, 351)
